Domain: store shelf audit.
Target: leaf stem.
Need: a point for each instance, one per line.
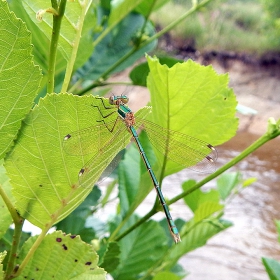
(18, 222)
(258, 143)
(57, 19)
(30, 252)
(71, 62)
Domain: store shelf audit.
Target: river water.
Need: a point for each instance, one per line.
(236, 252)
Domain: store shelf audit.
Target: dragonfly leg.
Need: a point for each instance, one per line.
(105, 124)
(107, 108)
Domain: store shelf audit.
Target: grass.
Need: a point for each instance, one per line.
(239, 26)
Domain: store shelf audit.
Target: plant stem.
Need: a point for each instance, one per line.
(71, 62)
(57, 19)
(18, 222)
(107, 72)
(31, 252)
(258, 143)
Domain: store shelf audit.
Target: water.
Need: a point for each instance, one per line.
(236, 253)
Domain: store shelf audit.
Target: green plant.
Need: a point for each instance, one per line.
(272, 266)
(73, 44)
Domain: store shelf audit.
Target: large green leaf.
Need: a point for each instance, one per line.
(192, 99)
(61, 256)
(43, 173)
(5, 217)
(19, 78)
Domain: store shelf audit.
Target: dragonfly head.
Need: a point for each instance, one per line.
(118, 100)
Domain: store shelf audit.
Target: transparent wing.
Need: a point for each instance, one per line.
(183, 149)
(90, 140)
(101, 165)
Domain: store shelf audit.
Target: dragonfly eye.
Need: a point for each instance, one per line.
(112, 100)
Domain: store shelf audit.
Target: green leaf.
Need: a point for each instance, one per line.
(39, 40)
(192, 199)
(140, 249)
(248, 182)
(272, 268)
(43, 173)
(166, 275)
(111, 257)
(5, 217)
(129, 178)
(192, 99)
(61, 256)
(227, 182)
(71, 26)
(139, 73)
(19, 78)
(198, 197)
(206, 209)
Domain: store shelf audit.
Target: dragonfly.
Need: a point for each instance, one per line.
(183, 149)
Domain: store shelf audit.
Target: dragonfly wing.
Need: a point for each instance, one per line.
(106, 160)
(183, 149)
(89, 140)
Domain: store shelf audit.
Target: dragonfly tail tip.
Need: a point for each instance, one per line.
(176, 238)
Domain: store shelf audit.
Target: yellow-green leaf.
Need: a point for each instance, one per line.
(19, 78)
(61, 256)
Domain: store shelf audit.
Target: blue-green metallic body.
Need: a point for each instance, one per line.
(127, 116)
